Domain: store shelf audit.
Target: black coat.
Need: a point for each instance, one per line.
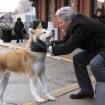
(100, 18)
(85, 33)
(18, 27)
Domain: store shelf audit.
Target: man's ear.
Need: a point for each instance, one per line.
(69, 20)
(40, 26)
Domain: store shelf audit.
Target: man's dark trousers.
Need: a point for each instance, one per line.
(81, 60)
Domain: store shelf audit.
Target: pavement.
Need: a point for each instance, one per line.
(61, 95)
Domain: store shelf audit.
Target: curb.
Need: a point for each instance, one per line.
(48, 54)
(10, 46)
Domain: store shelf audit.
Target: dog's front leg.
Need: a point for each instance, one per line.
(3, 85)
(33, 88)
(43, 81)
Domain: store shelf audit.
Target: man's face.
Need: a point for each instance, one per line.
(64, 25)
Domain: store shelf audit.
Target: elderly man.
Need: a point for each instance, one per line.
(87, 34)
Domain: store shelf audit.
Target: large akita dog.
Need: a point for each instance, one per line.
(25, 61)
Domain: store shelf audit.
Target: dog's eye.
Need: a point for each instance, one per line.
(44, 32)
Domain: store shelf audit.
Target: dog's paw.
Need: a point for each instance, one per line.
(41, 100)
(51, 98)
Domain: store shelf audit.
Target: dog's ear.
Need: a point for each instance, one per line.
(31, 31)
(40, 26)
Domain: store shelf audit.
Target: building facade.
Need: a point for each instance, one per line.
(45, 10)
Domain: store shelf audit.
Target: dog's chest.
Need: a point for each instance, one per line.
(40, 57)
(39, 63)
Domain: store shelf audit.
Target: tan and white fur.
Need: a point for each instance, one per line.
(25, 61)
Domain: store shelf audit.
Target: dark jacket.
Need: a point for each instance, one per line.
(100, 18)
(18, 27)
(86, 33)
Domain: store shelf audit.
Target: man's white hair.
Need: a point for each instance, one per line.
(65, 13)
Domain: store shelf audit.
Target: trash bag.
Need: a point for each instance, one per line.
(6, 34)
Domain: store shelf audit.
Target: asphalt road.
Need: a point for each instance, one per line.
(59, 73)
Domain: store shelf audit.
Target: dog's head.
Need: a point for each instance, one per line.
(42, 34)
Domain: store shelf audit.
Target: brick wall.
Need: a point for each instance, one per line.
(84, 8)
(42, 10)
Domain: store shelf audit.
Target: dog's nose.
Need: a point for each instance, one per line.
(53, 31)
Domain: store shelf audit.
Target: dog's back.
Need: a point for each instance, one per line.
(15, 61)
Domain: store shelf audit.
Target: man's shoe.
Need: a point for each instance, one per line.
(81, 96)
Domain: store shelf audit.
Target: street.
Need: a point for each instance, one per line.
(59, 73)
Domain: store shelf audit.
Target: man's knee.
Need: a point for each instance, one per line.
(92, 65)
(75, 57)
(81, 56)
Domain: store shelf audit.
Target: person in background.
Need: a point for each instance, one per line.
(18, 29)
(84, 33)
(99, 16)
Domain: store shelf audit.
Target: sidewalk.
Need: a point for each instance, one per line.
(61, 95)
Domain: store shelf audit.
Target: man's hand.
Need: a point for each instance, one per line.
(38, 47)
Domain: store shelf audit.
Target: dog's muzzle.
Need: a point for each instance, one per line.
(53, 32)
(53, 35)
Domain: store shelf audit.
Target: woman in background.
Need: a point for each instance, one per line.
(18, 29)
(99, 16)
